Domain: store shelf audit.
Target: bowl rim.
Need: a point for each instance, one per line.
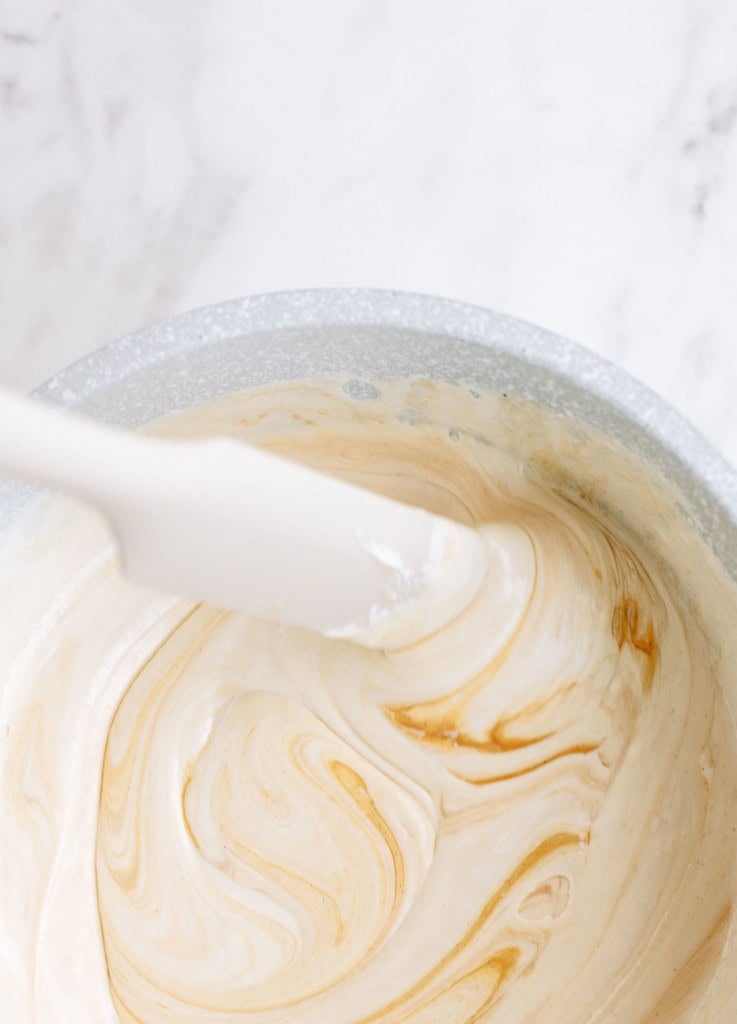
(417, 312)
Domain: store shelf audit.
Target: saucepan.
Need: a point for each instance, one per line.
(365, 337)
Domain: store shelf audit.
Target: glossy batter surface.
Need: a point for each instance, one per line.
(530, 816)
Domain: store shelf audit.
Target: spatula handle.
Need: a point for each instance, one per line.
(53, 446)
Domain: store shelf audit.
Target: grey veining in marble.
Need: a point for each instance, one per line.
(572, 164)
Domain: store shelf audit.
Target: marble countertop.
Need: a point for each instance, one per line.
(571, 164)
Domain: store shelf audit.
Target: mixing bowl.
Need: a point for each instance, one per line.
(367, 337)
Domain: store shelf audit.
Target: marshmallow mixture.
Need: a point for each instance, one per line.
(529, 816)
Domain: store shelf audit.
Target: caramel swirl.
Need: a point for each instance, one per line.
(526, 816)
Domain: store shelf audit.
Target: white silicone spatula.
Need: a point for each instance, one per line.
(219, 521)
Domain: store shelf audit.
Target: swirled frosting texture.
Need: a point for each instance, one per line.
(527, 816)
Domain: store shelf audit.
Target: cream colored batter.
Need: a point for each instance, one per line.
(529, 816)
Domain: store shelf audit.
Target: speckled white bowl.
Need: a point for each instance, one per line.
(381, 334)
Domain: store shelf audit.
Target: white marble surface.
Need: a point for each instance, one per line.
(571, 163)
